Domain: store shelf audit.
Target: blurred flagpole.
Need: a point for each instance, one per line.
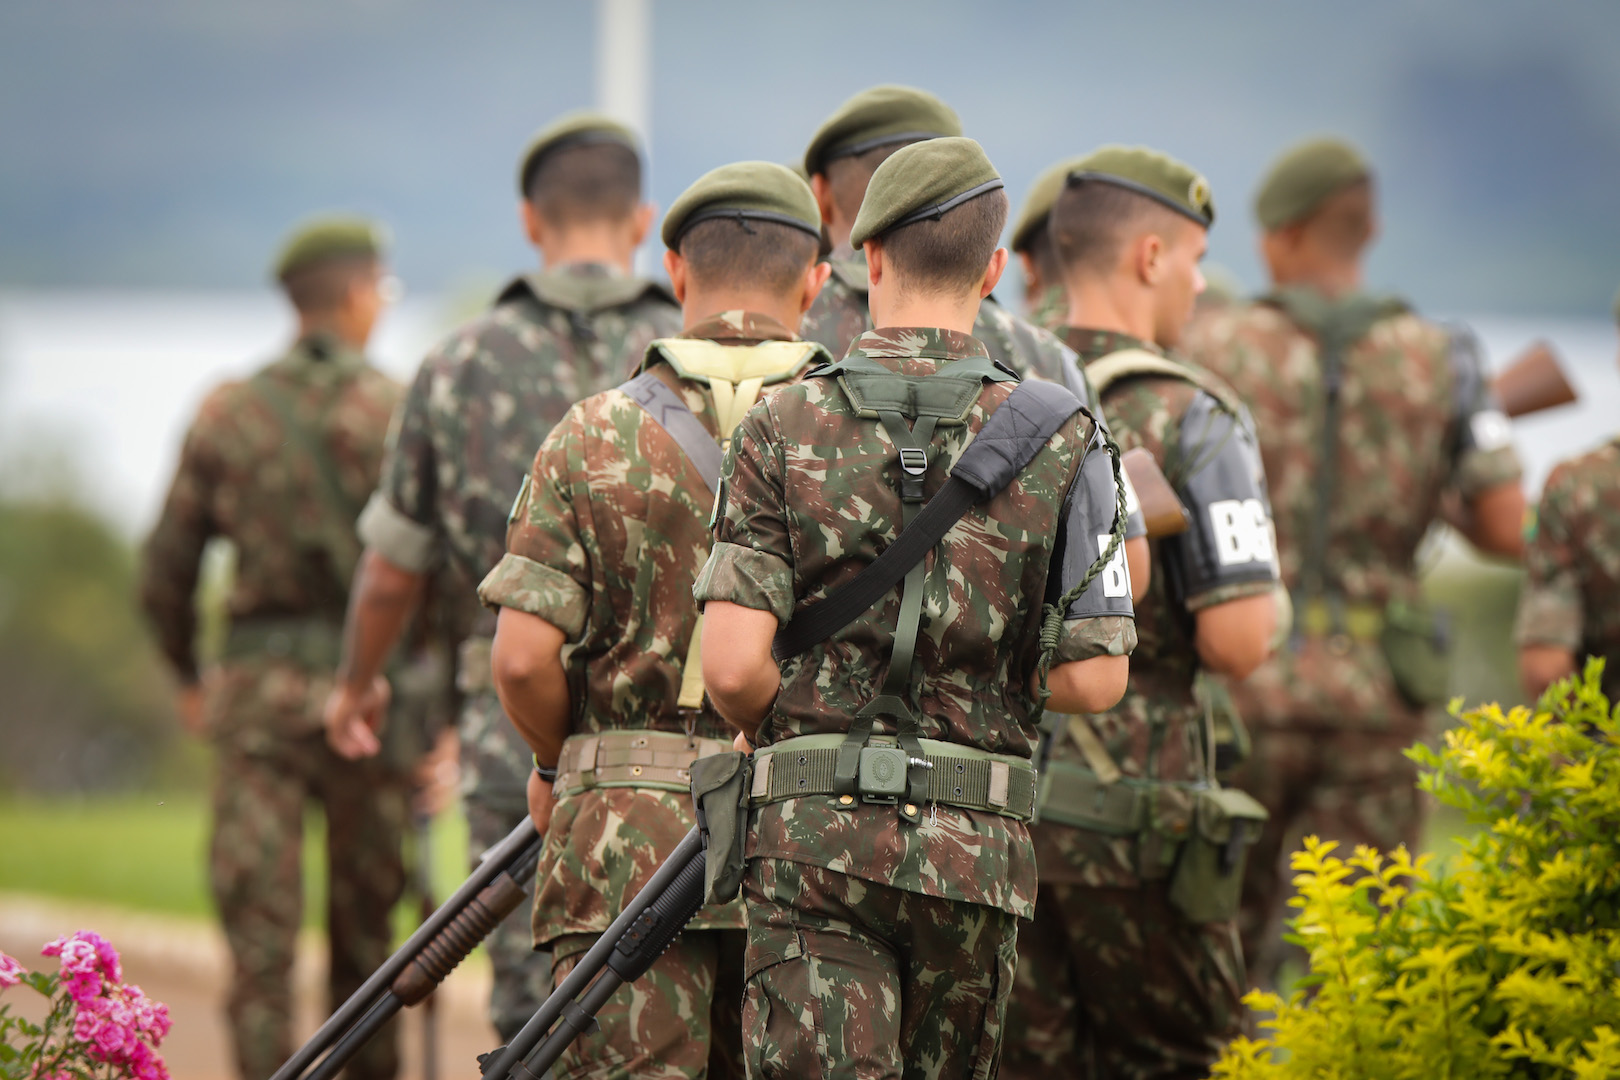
(624, 77)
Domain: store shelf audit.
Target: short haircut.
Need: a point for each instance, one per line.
(321, 287)
(587, 183)
(1092, 220)
(949, 255)
(849, 175)
(1343, 223)
(1042, 251)
(741, 253)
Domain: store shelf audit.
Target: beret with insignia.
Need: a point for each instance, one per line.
(1147, 172)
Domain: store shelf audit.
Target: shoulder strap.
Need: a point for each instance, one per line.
(1114, 368)
(666, 409)
(337, 533)
(1008, 441)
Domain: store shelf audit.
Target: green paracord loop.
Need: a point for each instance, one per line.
(1052, 616)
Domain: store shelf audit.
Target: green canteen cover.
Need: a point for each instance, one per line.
(923, 180)
(1304, 176)
(319, 239)
(744, 190)
(1159, 176)
(1038, 203)
(572, 129)
(877, 116)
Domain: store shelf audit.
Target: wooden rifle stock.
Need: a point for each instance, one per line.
(1533, 382)
(1161, 509)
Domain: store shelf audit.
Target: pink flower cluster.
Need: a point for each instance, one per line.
(118, 1024)
(11, 972)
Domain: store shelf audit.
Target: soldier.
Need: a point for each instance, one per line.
(1567, 610)
(1118, 976)
(1366, 415)
(605, 541)
(840, 161)
(1045, 298)
(477, 411)
(279, 464)
(888, 856)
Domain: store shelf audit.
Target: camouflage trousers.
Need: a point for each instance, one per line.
(260, 794)
(1354, 786)
(680, 1021)
(848, 978)
(1115, 984)
(522, 977)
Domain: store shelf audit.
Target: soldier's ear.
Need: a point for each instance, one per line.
(993, 272)
(675, 267)
(533, 228)
(814, 279)
(643, 221)
(821, 187)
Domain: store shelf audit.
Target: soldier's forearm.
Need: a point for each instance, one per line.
(381, 603)
(739, 671)
(530, 680)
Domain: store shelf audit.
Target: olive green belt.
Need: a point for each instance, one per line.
(314, 641)
(960, 776)
(660, 760)
(1363, 622)
(1074, 795)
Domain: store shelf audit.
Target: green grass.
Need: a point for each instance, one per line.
(149, 853)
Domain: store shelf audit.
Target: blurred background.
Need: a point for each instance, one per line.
(155, 153)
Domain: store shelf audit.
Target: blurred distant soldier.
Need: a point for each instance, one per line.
(1131, 968)
(1366, 414)
(1570, 606)
(603, 548)
(1045, 299)
(479, 408)
(280, 465)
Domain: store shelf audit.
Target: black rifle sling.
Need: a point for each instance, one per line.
(669, 412)
(1008, 441)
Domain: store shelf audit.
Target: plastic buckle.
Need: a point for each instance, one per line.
(913, 460)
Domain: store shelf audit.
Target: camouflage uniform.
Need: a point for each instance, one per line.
(840, 315)
(248, 474)
(1327, 720)
(480, 406)
(1051, 310)
(1112, 980)
(1572, 574)
(605, 542)
(876, 947)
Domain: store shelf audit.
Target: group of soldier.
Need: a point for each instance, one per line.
(1020, 790)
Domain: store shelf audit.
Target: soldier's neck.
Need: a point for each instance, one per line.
(698, 306)
(1098, 306)
(350, 337)
(608, 243)
(941, 312)
(1334, 281)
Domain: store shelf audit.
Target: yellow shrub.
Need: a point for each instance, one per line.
(1506, 962)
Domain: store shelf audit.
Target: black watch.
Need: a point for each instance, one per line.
(549, 775)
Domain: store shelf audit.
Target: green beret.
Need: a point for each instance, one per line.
(744, 191)
(325, 238)
(1147, 172)
(574, 129)
(877, 117)
(1299, 181)
(1038, 203)
(921, 181)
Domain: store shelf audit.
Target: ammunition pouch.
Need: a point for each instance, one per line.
(1207, 884)
(1417, 646)
(720, 793)
(657, 760)
(959, 776)
(313, 642)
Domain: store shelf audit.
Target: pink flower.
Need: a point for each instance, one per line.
(11, 972)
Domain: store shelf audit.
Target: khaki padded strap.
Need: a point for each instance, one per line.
(1139, 363)
(1091, 747)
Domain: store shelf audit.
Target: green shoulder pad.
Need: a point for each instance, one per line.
(574, 292)
(947, 395)
(1115, 368)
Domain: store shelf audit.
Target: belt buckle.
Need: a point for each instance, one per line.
(913, 460)
(883, 774)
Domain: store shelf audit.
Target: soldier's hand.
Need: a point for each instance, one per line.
(541, 800)
(353, 718)
(190, 707)
(437, 775)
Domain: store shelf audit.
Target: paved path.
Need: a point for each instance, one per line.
(183, 962)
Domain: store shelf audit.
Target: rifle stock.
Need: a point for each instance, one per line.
(1161, 509)
(489, 894)
(1533, 382)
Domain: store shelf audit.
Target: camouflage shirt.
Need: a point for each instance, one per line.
(1155, 732)
(247, 476)
(1571, 595)
(1416, 418)
(840, 315)
(605, 542)
(1051, 310)
(809, 498)
(481, 403)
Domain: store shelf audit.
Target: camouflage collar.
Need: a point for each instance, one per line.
(740, 328)
(905, 342)
(1095, 344)
(583, 287)
(849, 267)
(1345, 320)
(320, 354)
